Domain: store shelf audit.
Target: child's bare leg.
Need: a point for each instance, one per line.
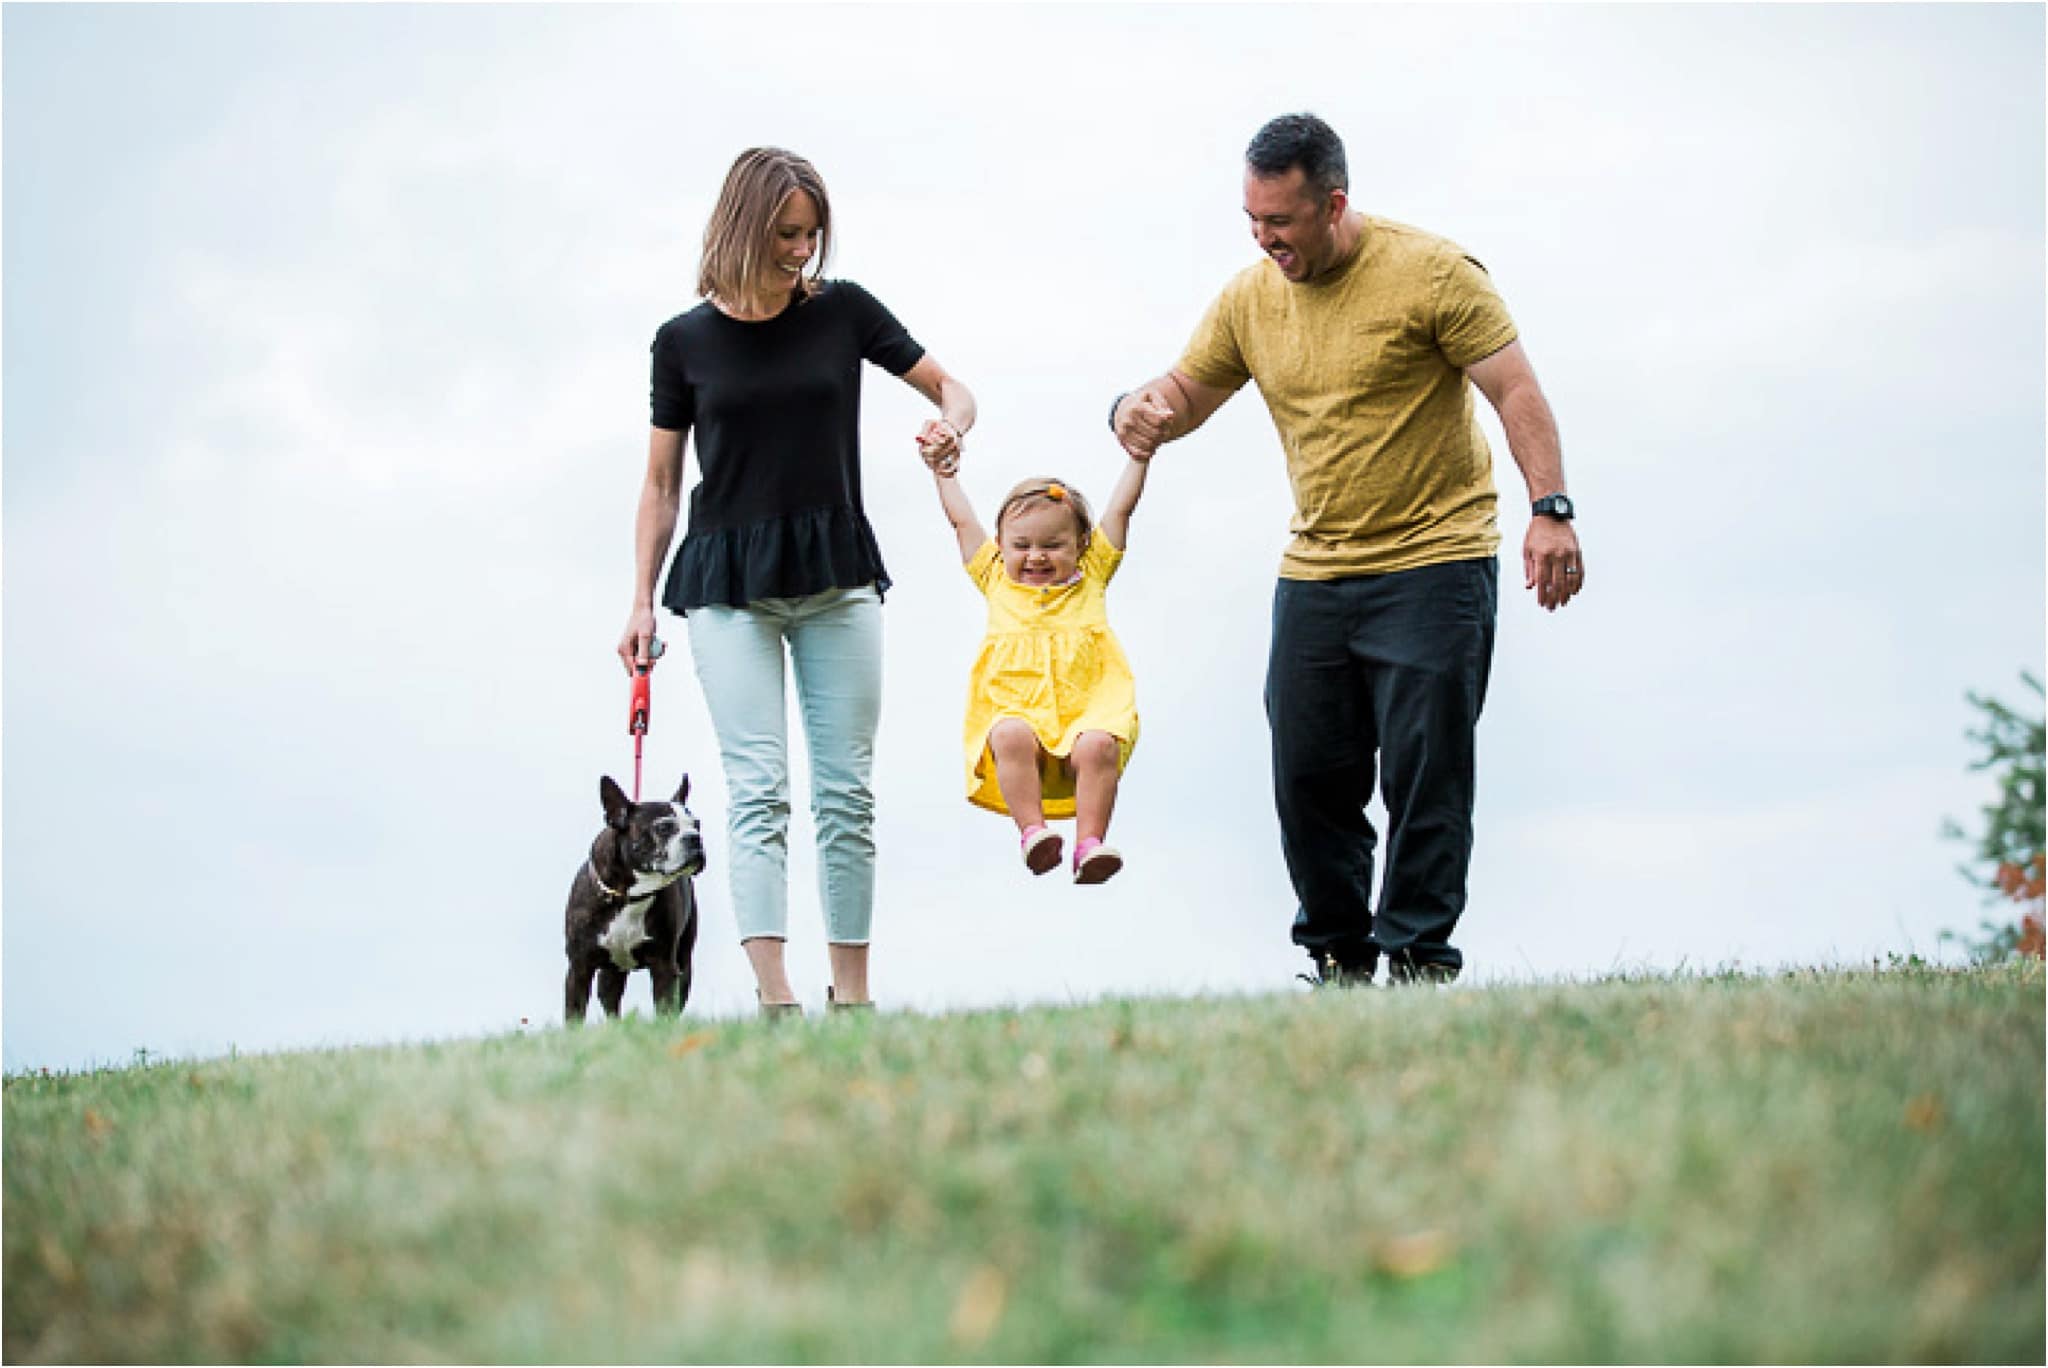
(1016, 749)
(1096, 771)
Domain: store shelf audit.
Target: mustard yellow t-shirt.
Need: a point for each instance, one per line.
(1363, 372)
(1049, 659)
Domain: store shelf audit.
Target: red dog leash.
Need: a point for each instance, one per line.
(636, 724)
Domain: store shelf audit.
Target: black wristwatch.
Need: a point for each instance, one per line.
(1113, 408)
(1557, 506)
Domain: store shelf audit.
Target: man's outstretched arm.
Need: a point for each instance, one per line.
(1161, 411)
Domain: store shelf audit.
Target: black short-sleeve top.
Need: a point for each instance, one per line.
(775, 406)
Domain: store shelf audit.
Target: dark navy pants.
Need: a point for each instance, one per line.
(1379, 678)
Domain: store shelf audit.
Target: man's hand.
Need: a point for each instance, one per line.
(1143, 420)
(1551, 562)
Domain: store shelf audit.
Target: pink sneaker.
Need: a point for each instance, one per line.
(1095, 862)
(1042, 849)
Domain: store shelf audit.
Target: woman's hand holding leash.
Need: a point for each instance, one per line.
(639, 648)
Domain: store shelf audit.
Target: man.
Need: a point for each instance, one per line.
(1362, 334)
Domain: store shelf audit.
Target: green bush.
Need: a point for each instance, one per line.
(2010, 860)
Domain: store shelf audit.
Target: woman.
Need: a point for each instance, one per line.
(767, 371)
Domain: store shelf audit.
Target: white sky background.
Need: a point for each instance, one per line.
(326, 339)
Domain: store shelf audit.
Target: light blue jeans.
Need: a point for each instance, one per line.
(835, 645)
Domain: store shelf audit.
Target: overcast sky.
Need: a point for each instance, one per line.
(326, 337)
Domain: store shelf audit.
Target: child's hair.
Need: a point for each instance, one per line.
(1044, 492)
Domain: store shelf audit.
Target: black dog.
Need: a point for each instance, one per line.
(632, 905)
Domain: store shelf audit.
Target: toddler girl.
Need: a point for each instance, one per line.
(1052, 711)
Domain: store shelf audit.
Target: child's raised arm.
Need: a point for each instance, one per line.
(1123, 500)
(959, 512)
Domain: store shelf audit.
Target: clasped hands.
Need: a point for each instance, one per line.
(1142, 420)
(938, 442)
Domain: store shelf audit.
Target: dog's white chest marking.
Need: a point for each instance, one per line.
(627, 933)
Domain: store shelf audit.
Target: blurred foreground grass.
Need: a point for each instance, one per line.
(1824, 1167)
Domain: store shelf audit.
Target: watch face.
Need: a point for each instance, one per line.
(1563, 505)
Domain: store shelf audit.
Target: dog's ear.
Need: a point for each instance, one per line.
(682, 791)
(615, 804)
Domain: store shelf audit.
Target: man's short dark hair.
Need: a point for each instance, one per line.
(1305, 141)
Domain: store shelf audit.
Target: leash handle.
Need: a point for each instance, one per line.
(643, 689)
(636, 724)
(643, 704)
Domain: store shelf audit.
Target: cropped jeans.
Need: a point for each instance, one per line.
(835, 644)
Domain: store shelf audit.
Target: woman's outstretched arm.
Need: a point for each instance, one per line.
(938, 441)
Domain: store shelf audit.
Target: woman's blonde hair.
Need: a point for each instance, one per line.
(1045, 492)
(736, 240)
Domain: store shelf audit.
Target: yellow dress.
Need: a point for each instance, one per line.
(1050, 659)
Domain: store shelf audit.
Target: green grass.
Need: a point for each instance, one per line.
(1824, 1167)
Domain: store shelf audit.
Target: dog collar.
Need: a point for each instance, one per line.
(629, 895)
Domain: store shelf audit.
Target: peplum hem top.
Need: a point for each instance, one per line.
(805, 552)
(774, 410)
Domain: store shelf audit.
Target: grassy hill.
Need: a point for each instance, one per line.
(1834, 1166)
